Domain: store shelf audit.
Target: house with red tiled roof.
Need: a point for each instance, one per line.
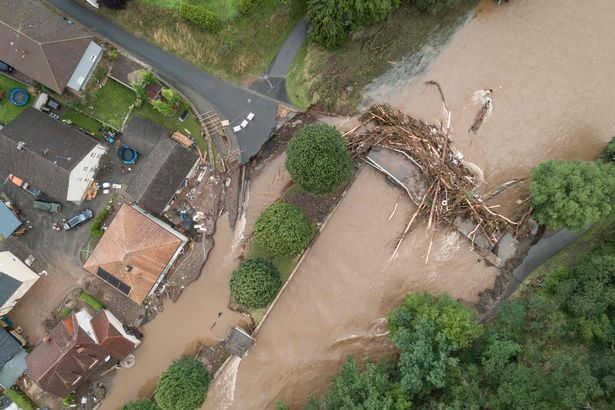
(46, 47)
(135, 253)
(76, 348)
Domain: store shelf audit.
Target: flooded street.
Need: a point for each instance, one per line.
(337, 302)
(549, 65)
(201, 312)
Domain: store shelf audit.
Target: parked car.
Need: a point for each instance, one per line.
(4, 67)
(53, 104)
(78, 219)
(47, 206)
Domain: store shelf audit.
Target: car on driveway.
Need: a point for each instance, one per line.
(5, 68)
(78, 219)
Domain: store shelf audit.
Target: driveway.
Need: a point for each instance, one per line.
(205, 91)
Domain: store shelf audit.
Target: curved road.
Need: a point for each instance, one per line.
(233, 103)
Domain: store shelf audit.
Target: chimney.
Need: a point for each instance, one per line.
(81, 350)
(128, 268)
(47, 338)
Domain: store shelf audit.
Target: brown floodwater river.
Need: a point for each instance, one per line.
(549, 64)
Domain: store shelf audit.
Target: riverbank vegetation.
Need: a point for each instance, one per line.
(239, 50)
(550, 347)
(334, 79)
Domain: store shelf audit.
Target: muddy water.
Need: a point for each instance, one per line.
(201, 312)
(549, 64)
(337, 301)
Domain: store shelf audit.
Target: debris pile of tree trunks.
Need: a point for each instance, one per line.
(451, 186)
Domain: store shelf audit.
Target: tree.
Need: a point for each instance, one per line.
(318, 159)
(114, 4)
(283, 230)
(499, 354)
(163, 107)
(183, 386)
(572, 194)
(571, 381)
(140, 405)
(255, 283)
(522, 388)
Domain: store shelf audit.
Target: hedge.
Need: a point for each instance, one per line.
(318, 159)
(255, 283)
(283, 230)
(207, 20)
(97, 223)
(183, 386)
(92, 301)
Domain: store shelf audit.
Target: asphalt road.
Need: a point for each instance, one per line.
(204, 90)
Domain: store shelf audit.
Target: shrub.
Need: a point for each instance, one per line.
(68, 400)
(92, 301)
(255, 283)
(66, 312)
(318, 160)
(433, 6)
(164, 108)
(247, 7)
(207, 20)
(571, 194)
(97, 223)
(183, 386)
(609, 153)
(283, 230)
(21, 399)
(140, 405)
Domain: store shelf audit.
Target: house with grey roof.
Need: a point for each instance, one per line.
(9, 221)
(163, 167)
(46, 47)
(15, 280)
(12, 360)
(54, 157)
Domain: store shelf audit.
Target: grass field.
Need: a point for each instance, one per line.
(112, 103)
(8, 112)
(86, 123)
(225, 9)
(335, 79)
(241, 50)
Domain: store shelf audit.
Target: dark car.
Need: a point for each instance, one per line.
(78, 219)
(4, 67)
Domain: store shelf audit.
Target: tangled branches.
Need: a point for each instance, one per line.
(451, 194)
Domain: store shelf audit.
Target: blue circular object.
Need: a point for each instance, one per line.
(19, 97)
(127, 155)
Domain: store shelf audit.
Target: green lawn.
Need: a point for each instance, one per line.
(225, 9)
(298, 94)
(8, 112)
(112, 103)
(85, 122)
(190, 126)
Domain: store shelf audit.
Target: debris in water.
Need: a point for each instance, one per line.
(482, 97)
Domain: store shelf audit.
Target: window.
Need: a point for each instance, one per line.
(77, 380)
(113, 281)
(93, 364)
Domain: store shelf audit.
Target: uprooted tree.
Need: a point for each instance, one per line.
(572, 194)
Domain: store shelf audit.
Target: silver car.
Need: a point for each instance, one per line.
(78, 219)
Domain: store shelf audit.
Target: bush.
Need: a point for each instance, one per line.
(609, 153)
(97, 223)
(318, 159)
(183, 386)
(572, 194)
(20, 399)
(140, 405)
(92, 301)
(255, 283)
(283, 230)
(433, 6)
(207, 20)
(247, 7)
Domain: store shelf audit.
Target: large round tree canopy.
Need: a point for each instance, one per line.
(255, 283)
(283, 230)
(183, 386)
(318, 159)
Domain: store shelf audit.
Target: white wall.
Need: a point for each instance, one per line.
(83, 173)
(12, 266)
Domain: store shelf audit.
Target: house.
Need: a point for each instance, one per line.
(12, 360)
(135, 253)
(46, 47)
(15, 280)
(164, 166)
(9, 221)
(75, 349)
(58, 159)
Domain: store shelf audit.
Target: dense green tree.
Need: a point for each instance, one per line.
(497, 357)
(570, 380)
(370, 389)
(163, 108)
(283, 230)
(522, 387)
(255, 283)
(572, 194)
(140, 405)
(318, 159)
(183, 386)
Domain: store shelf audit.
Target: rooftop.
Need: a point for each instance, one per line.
(9, 222)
